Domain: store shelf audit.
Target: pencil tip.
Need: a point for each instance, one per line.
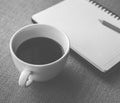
(100, 20)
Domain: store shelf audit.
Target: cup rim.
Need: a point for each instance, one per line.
(37, 65)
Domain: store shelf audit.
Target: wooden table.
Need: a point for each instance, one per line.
(80, 82)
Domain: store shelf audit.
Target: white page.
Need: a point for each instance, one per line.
(80, 20)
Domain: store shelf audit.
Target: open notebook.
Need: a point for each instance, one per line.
(95, 42)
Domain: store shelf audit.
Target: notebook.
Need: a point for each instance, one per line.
(95, 42)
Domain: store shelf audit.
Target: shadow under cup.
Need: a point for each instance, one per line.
(42, 72)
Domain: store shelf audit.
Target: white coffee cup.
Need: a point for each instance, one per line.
(32, 72)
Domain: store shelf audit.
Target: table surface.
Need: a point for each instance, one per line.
(80, 82)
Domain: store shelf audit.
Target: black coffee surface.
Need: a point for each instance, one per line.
(39, 50)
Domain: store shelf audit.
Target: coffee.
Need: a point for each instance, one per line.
(39, 50)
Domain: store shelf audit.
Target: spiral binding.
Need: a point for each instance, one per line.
(105, 9)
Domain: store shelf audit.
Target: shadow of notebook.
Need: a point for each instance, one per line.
(95, 42)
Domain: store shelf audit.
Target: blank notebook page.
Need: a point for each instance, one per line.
(95, 42)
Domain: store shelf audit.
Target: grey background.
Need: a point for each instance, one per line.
(80, 82)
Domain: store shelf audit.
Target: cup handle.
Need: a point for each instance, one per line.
(25, 78)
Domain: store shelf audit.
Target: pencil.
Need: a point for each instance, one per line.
(109, 25)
